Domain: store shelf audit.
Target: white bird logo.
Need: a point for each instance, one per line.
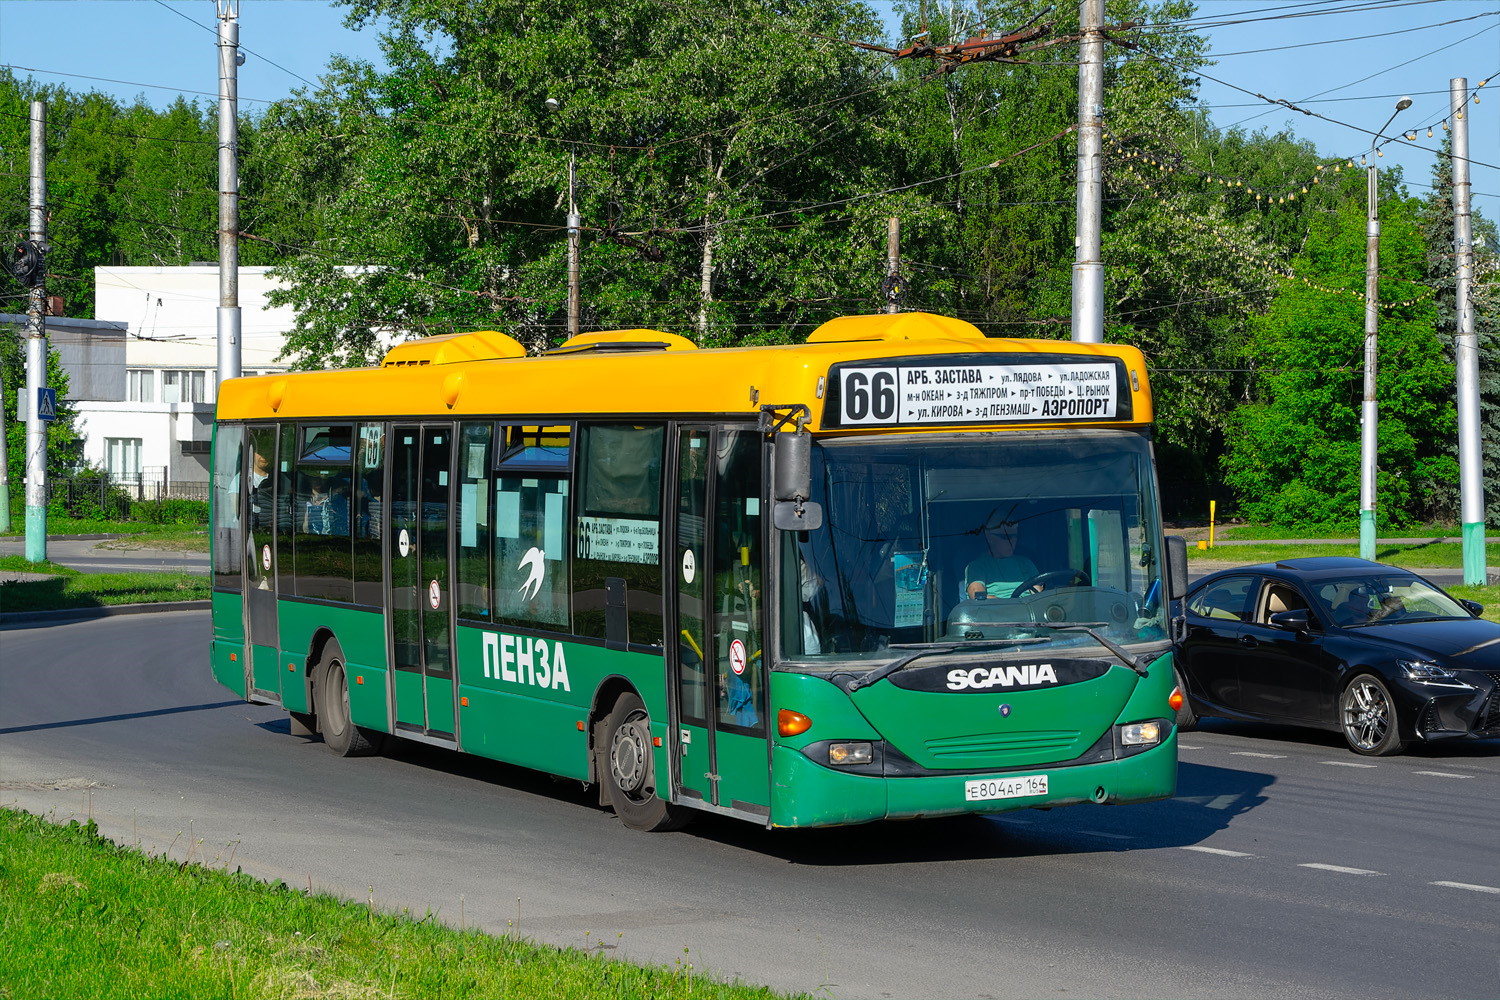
(533, 584)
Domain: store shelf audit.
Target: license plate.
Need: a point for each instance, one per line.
(1005, 788)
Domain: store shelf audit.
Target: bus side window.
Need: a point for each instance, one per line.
(529, 525)
(617, 528)
(472, 523)
(367, 512)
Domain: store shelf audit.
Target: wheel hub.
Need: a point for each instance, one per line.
(628, 756)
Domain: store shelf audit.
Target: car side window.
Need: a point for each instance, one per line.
(1227, 598)
(1278, 598)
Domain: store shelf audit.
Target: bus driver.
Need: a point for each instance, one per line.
(999, 571)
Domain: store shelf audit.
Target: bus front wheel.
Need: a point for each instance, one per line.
(331, 692)
(628, 770)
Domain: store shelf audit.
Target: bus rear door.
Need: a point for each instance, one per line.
(717, 662)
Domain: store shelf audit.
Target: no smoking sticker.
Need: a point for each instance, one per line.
(689, 566)
(434, 594)
(403, 544)
(737, 656)
(265, 557)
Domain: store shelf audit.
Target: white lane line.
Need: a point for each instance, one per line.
(1217, 850)
(1108, 836)
(1467, 885)
(1345, 763)
(1341, 869)
(1443, 774)
(1267, 756)
(1185, 746)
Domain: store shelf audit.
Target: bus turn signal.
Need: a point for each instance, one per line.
(789, 723)
(1175, 699)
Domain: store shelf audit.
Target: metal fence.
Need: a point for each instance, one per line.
(107, 492)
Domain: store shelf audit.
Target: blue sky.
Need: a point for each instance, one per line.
(1348, 61)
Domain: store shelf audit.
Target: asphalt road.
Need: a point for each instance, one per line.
(1285, 866)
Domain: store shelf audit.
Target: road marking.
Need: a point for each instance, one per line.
(1267, 756)
(1185, 746)
(1110, 836)
(1340, 868)
(1217, 850)
(1467, 885)
(1443, 774)
(1345, 763)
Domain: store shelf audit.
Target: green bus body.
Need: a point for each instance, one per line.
(991, 700)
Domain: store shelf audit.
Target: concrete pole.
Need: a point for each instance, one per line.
(36, 350)
(574, 234)
(229, 192)
(1369, 415)
(1088, 266)
(892, 262)
(1466, 345)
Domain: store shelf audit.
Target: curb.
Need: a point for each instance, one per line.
(25, 619)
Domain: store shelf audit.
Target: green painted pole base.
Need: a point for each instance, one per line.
(1367, 534)
(1474, 568)
(36, 534)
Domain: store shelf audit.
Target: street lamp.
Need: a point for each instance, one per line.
(1368, 416)
(575, 224)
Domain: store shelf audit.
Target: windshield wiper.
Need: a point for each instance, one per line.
(1092, 628)
(921, 649)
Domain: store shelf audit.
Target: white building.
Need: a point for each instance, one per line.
(156, 431)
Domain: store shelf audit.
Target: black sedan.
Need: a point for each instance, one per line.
(1374, 652)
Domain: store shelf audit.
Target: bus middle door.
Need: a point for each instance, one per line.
(420, 600)
(719, 668)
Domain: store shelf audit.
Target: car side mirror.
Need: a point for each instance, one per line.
(1473, 606)
(1292, 621)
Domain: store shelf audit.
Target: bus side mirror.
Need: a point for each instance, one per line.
(791, 473)
(1176, 567)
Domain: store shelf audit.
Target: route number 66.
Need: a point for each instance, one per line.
(870, 396)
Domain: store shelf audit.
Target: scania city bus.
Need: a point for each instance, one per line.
(900, 570)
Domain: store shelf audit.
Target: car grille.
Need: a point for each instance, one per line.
(1489, 716)
(1429, 720)
(965, 746)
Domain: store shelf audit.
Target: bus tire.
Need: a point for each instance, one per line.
(627, 769)
(331, 693)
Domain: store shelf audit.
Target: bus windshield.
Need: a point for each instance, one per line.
(975, 538)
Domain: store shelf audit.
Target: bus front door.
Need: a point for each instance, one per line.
(420, 601)
(718, 667)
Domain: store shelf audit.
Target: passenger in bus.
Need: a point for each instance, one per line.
(999, 571)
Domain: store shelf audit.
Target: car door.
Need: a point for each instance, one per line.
(1216, 614)
(1284, 673)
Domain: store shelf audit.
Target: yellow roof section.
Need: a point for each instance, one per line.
(451, 348)
(894, 326)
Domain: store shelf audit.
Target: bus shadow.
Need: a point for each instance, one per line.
(1207, 801)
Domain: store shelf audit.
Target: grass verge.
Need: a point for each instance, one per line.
(1436, 555)
(87, 918)
(66, 589)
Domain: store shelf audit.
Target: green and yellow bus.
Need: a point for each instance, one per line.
(900, 570)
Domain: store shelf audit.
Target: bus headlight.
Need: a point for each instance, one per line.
(1140, 734)
(850, 753)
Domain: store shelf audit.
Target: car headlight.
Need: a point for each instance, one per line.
(1425, 670)
(850, 753)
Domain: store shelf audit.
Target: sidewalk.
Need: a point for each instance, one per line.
(92, 554)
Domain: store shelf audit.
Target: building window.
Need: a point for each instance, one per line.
(122, 458)
(141, 385)
(184, 385)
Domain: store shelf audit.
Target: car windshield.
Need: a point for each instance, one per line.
(976, 539)
(1356, 602)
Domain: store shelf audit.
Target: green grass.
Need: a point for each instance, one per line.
(1489, 596)
(86, 918)
(1256, 532)
(66, 589)
(1436, 555)
(187, 537)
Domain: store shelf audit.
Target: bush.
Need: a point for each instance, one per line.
(170, 510)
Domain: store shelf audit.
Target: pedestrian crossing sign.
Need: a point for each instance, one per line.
(46, 403)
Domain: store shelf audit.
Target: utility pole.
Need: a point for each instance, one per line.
(229, 191)
(1088, 265)
(1369, 414)
(893, 289)
(574, 233)
(1466, 345)
(36, 347)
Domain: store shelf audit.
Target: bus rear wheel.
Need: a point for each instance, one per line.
(331, 692)
(628, 771)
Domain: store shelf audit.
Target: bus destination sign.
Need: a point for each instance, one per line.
(977, 390)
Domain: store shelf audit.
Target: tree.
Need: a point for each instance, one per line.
(1293, 454)
(64, 443)
(1435, 217)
